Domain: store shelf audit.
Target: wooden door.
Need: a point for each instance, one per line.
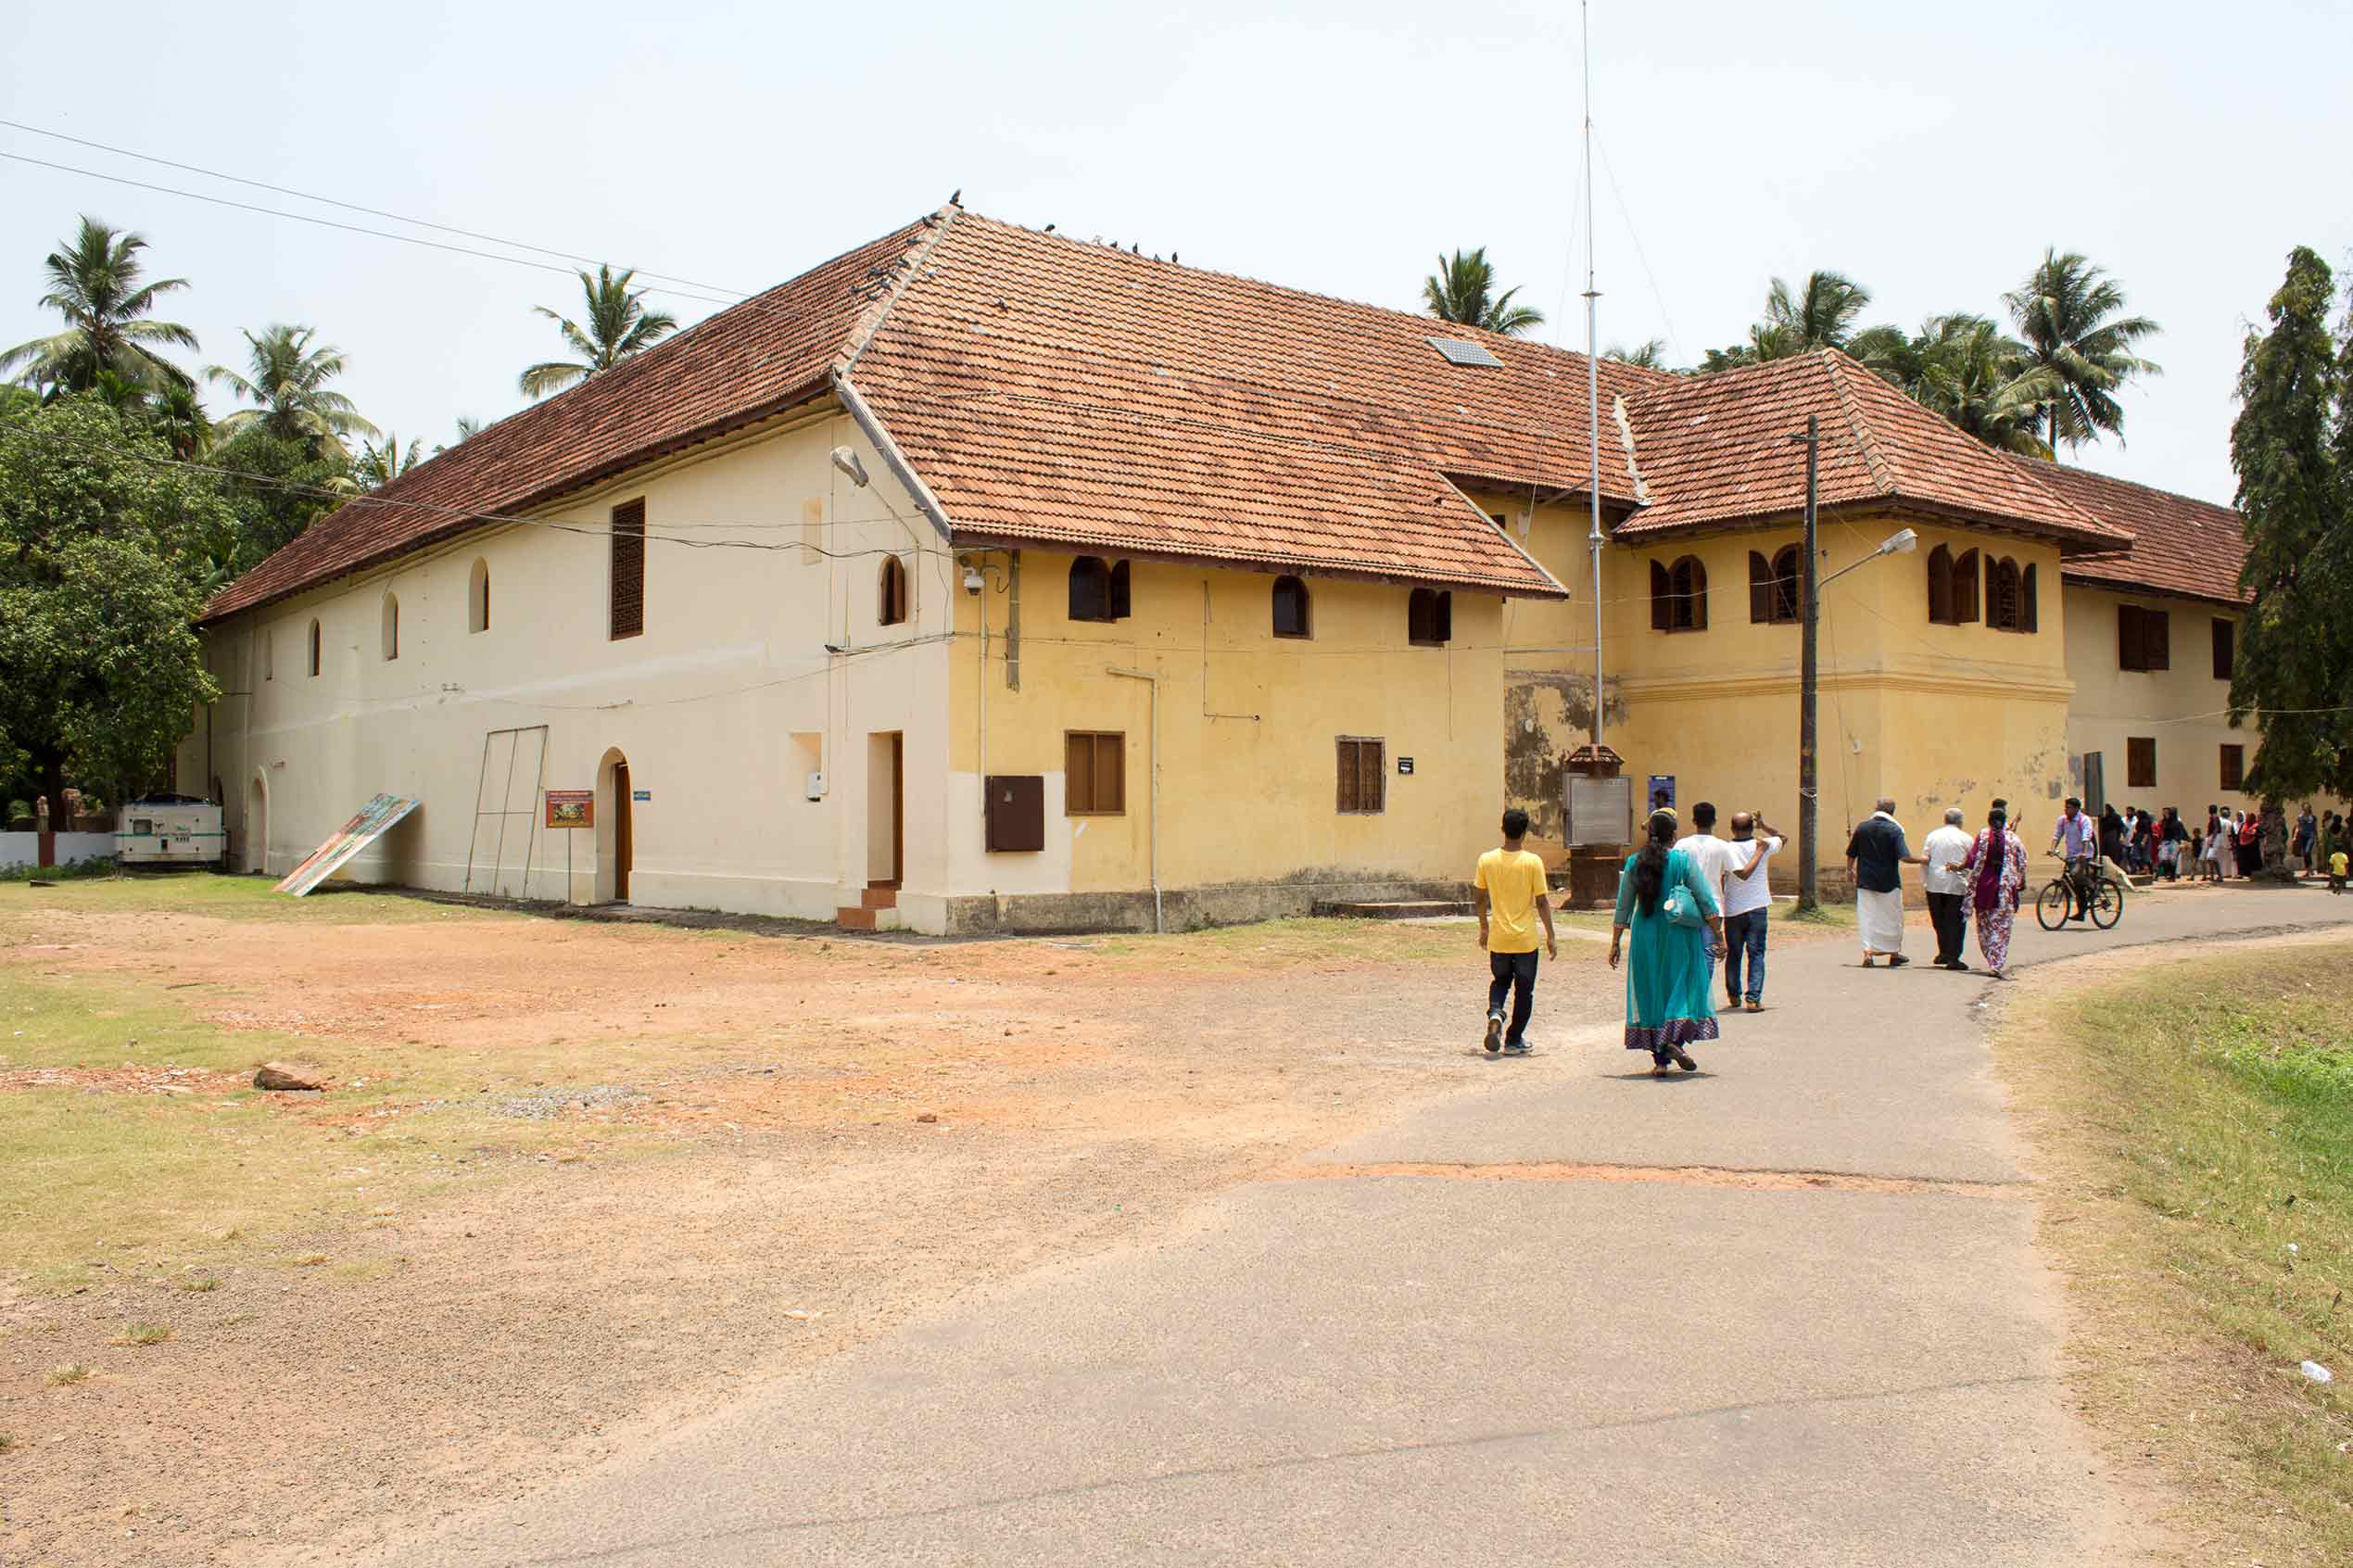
(898, 807)
(621, 835)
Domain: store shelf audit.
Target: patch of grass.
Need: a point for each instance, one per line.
(7, 1441)
(67, 1375)
(198, 1283)
(2198, 1123)
(1837, 915)
(308, 1259)
(142, 1334)
(231, 898)
(79, 871)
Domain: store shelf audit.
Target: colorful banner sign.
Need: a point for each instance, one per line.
(371, 824)
(571, 808)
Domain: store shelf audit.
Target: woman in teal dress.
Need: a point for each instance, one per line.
(1669, 999)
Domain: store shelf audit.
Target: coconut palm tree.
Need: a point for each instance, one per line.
(1463, 291)
(1967, 369)
(178, 416)
(95, 282)
(1819, 315)
(288, 385)
(2070, 315)
(377, 466)
(619, 325)
(1650, 354)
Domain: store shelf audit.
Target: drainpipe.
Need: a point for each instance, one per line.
(1160, 927)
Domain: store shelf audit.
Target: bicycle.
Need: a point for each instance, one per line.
(2103, 899)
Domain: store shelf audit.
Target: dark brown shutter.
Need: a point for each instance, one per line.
(1940, 585)
(2157, 631)
(1761, 587)
(2225, 648)
(1662, 596)
(1697, 588)
(1111, 772)
(2028, 617)
(2233, 768)
(1345, 800)
(2127, 637)
(1077, 773)
(1446, 617)
(1967, 582)
(2139, 761)
(1119, 601)
(628, 569)
(1372, 775)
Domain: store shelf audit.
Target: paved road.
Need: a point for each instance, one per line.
(1348, 1366)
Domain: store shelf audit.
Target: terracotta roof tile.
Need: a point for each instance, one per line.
(2179, 545)
(743, 363)
(1714, 451)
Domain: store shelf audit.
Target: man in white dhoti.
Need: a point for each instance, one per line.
(1875, 856)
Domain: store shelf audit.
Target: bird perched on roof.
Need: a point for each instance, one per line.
(1136, 249)
(957, 198)
(1049, 228)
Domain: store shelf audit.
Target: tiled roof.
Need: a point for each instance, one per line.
(1714, 451)
(1062, 392)
(745, 363)
(2179, 545)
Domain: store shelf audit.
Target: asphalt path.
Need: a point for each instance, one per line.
(1784, 1311)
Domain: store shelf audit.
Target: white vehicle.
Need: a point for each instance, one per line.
(168, 830)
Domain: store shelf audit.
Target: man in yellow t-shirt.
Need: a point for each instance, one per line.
(1510, 894)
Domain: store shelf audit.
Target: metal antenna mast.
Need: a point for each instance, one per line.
(1592, 364)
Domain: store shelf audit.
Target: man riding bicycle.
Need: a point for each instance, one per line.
(2081, 838)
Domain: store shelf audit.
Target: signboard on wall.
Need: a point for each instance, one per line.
(1659, 796)
(571, 808)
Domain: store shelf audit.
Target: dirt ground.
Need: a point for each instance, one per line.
(590, 1179)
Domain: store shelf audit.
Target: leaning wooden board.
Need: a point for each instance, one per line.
(364, 829)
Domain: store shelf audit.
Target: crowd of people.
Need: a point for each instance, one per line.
(1691, 900)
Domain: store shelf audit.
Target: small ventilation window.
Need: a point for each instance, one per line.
(1461, 351)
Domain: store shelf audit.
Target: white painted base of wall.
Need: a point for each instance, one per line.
(21, 849)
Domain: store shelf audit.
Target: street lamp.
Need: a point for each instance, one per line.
(1809, 680)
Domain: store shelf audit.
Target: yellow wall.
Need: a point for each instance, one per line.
(2180, 708)
(1933, 716)
(1249, 726)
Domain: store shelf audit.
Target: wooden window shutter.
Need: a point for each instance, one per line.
(628, 569)
(1662, 594)
(1077, 773)
(2225, 648)
(2233, 768)
(1968, 580)
(2028, 617)
(1119, 601)
(1940, 585)
(2156, 633)
(1787, 589)
(2129, 654)
(2139, 761)
(1344, 799)
(1446, 616)
(1090, 589)
(1761, 587)
(1111, 772)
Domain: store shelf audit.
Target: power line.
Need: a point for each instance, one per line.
(355, 207)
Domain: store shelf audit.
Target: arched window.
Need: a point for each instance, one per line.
(391, 628)
(1290, 607)
(893, 596)
(2028, 620)
(478, 597)
(1679, 596)
(1429, 618)
(1940, 585)
(2002, 610)
(1965, 582)
(1773, 586)
(1099, 592)
(314, 646)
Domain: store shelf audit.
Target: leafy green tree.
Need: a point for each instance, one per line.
(95, 282)
(288, 486)
(378, 466)
(1463, 291)
(2070, 315)
(288, 388)
(618, 325)
(104, 554)
(1821, 314)
(1965, 368)
(2292, 444)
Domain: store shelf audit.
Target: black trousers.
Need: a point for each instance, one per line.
(1945, 914)
(1514, 977)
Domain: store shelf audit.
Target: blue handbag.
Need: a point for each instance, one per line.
(1681, 908)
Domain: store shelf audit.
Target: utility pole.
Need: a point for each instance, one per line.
(1593, 539)
(1809, 674)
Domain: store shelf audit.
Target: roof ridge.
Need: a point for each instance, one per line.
(871, 321)
(1883, 471)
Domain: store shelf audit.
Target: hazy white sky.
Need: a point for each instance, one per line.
(1930, 152)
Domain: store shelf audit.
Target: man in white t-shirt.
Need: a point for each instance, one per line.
(1949, 845)
(1748, 894)
(1709, 855)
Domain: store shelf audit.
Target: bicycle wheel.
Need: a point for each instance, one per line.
(2107, 904)
(2050, 905)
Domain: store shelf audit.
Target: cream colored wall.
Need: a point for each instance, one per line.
(2179, 708)
(1248, 726)
(1933, 716)
(705, 704)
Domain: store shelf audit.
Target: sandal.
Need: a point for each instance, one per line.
(1682, 1060)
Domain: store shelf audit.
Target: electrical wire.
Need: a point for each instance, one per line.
(1635, 235)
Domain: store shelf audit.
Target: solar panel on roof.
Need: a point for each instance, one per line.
(1460, 352)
